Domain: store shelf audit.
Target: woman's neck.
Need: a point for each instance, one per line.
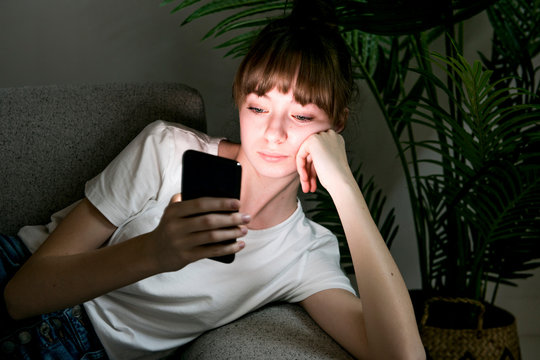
(268, 201)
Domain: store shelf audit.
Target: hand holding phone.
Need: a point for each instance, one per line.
(206, 175)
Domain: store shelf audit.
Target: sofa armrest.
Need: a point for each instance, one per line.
(277, 331)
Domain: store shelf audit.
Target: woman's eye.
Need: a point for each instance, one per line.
(256, 110)
(302, 118)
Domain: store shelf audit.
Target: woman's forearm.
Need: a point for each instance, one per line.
(388, 314)
(52, 282)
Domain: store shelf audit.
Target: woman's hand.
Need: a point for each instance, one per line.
(323, 155)
(189, 231)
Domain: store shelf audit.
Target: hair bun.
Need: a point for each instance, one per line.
(314, 12)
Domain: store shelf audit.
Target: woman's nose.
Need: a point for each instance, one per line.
(275, 130)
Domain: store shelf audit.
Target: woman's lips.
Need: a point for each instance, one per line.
(271, 157)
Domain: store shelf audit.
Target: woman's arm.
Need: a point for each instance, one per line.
(72, 266)
(382, 324)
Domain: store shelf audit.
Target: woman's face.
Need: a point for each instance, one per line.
(272, 128)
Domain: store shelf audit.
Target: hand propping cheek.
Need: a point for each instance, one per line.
(323, 155)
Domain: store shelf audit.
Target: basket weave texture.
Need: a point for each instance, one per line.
(493, 343)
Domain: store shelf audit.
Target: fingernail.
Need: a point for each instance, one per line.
(246, 218)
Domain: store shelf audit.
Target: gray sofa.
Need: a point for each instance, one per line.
(54, 138)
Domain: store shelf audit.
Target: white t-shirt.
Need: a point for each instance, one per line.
(152, 317)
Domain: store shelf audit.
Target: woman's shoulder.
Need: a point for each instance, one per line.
(179, 134)
(161, 126)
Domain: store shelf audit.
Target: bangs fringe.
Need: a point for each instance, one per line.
(299, 63)
(285, 73)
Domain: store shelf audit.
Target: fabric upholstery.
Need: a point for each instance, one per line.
(55, 138)
(283, 331)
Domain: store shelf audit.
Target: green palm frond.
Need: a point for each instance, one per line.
(516, 42)
(484, 185)
(246, 14)
(217, 6)
(390, 17)
(240, 44)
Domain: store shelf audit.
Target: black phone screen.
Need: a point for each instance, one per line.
(206, 175)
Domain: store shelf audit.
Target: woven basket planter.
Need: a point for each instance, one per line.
(493, 335)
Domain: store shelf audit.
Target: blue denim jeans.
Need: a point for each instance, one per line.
(64, 334)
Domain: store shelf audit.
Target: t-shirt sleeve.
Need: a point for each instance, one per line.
(134, 177)
(322, 270)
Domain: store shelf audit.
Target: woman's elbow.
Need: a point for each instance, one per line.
(415, 351)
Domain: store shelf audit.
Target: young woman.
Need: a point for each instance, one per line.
(135, 254)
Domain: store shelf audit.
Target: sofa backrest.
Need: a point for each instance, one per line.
(55, 138)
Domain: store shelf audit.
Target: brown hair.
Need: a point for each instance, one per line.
(308, 56)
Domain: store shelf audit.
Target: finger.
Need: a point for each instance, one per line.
(301, 164)
(216, 250)
(313, 178)
(215, 236)
(305, 187)
(311, 181)
(212, 221)
(303, 167)
(304, 179)
(176, 198)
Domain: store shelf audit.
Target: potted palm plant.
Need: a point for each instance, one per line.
(474, 183)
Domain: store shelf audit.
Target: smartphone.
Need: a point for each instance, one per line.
(213, 176)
